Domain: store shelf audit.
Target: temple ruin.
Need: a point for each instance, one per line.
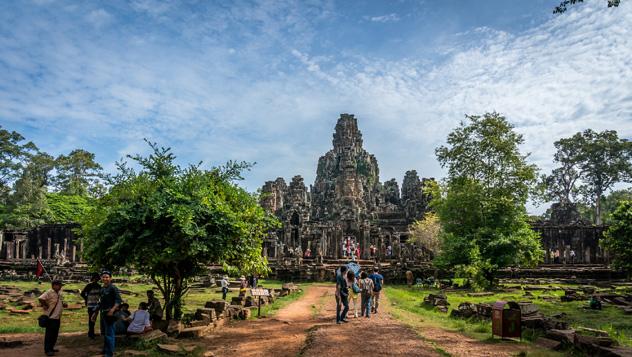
(346, 205)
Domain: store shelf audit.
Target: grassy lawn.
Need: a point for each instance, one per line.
(76, 320)
(610, 319)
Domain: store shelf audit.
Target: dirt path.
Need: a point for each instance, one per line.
(307, 327)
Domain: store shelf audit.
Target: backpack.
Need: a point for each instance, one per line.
(356, 288)
(377, 284)
(366, 286)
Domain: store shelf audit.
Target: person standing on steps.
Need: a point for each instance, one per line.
(378, 282)
(90, 295)
(53, 304)
(342, 295)
(224, 284)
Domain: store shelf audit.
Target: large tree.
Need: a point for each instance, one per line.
(618, 238)
(14, 151)
(78, 173)
(171, 222)
(602, 160)
(481, 203)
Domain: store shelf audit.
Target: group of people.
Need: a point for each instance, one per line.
(561, 257)
(101, 299)
(351, 286)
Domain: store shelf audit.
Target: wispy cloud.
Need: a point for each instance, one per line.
(259, 82)
(393, 17)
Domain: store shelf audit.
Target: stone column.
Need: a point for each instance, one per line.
(366, 238)
(65, 247)
(39, 252)
(74, 253)
(9, 252)
(48, 249)
(16, 249)
(81, 251)
(24, 249)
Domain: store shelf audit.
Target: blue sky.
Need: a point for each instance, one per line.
(265, 81)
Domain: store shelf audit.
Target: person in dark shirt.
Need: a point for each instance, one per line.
(91, 294)
(378, 282)
(154, 307)
(342, 295)
(108, 304)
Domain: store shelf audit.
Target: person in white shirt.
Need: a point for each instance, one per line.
(53, 304)
(139, 320)
(224, 284)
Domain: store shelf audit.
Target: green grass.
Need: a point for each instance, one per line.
(610, 319)
(76, 320)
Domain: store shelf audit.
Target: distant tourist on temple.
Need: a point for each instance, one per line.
(342, 295)
(372, 250)
(154, 307)
(344, 249)
(366, 287)
(308, 253)
(389, 251)
(109, 302)
(53, 304)
(354, 292)
(90, 295)
(378, 282)
(243, 286)
(224, 285)
(122, 315)
(357, 251)
(572, 255)
(139, 321)
(556, 258)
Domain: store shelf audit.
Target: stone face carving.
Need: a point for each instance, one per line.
(346, 203)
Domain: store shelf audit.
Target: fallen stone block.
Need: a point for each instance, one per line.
(548, 343)
(18, 311)
(175, 348)
(528, 308)
(133, 353)
(481, 294)
(194, 332)
(564, 336)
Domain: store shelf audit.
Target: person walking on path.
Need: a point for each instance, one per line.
(378, 282)
(366, 286)
(354, 291)
(108, 303)
(90, 295)
(53, 304)
(224, 284)
(342, 295)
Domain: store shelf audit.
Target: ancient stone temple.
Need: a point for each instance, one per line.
(346, 203)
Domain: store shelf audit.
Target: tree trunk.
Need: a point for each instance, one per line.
(598, 210)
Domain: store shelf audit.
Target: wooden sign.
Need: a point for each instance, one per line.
(259, 292)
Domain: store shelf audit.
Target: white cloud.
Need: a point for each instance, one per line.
(383, 18)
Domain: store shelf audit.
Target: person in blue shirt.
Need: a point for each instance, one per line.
(342, 295)
(378, 282)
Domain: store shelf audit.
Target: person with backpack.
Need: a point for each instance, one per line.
(91, 294)
(378, 282)
(354, 291)
(342, 295)
(366, 292)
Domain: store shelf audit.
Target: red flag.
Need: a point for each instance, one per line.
(40, 269)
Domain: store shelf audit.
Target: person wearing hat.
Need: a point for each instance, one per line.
(109, 302)
(224, 284)
(53, 304)
(91, 294)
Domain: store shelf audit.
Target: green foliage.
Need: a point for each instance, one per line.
(13, 153)
(78, 173)
(618, 237)
(427, 233)
(171, 223)
(481, 205)
(68, 208)
(563, 6)
(600, 159)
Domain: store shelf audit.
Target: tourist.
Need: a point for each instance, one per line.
(389, 251)
(354, 291)
(90, 295)
(357, 251)
(378, 282)
(121, 322)
(243, 286)
(595, 304)
(139, 321)
(344, 249)
(53, 304)
(557, 256)
(342, 295)
(109, 302)
(366, 287)
(308, 253)
(372, 251)
(572, 254)
(224, 284)
(252, 281)
(154, 307)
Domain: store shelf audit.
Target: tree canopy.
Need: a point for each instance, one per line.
(481, 204)
(171, 223)
(563, 6)
(618, 238)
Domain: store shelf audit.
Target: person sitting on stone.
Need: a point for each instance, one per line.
(153, 306)
(595, 304)
(121, 315)
(139, 321)
(243, 285)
